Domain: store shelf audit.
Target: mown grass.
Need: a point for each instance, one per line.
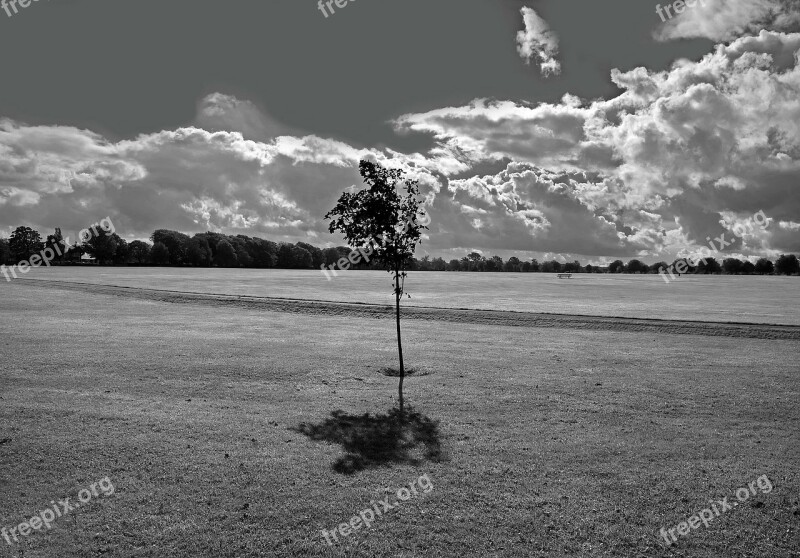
(723, 298)
(550, 442)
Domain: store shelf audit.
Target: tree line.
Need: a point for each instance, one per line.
(784, 265)
(210, 249)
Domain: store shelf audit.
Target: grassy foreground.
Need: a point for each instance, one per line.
(554, 442)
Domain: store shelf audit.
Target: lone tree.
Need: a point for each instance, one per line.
(384, 222)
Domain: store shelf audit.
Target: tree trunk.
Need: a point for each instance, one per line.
(399, 341)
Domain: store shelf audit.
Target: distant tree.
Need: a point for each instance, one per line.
(56, 243)
(476, 262)
(656, 267)
(713, 266)
(387, 220)
(175, 242)
(764, 267)
(748, 268)
(616, 267)
(438, 264)
(285, 257)
(5, 251)
(787, 265)
(636, 266)
(552, 266)
(102, 245)
(317, 256)
(534, 265)
(139, 252)
(243, 257)
(526, 266)
(709, 266)
(572, 267)
(301, 258)
(23, 243)
(121, 255)
(159, 254)
(589, 268)
(198, 252)
(424, 264)
(732, 266)
(264, 253)
(212, 239)
(681, 263)
(226, 256)
(331, 256)
(513, 264)
(74, 253)
(454, 265)
(495, 263)
(245, 248)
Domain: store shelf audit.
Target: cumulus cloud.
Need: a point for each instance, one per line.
(529, 209)
(724, 20)
(674, 151)
(537, 41)
(189, 179)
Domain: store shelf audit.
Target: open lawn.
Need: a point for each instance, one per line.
(551, 441)
(751, 299)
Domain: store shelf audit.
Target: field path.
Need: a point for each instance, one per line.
(484, 317)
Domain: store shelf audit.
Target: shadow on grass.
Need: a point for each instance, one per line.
(380, 440)
(395, 372)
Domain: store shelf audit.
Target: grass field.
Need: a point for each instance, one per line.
(554, 441)
(771, 300)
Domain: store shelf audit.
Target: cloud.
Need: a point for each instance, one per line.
(674, 151)
(725, 20)
(528, 209)
(189, 179)
(538, 41)
(220, 112)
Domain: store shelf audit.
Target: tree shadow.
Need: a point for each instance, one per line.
(409, 372)
(380, 440)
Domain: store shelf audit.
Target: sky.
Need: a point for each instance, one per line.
(554, 129)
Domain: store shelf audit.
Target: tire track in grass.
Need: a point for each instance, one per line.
(458, 315)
